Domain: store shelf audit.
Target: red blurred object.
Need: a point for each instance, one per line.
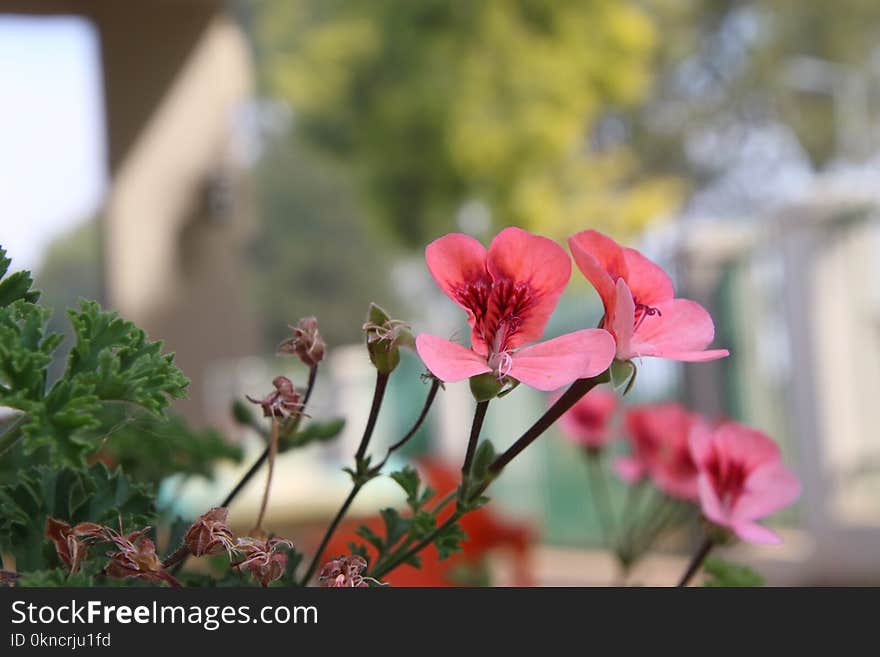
(485, 530)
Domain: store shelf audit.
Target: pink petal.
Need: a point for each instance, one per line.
(519, 256)
(755, 533)
(769, 488)
(693, 356)
(455, 260)
(554, 363)
(447, 360)
(745, 444)
(700, 443)
(710, 503)
(622, 318)
(647, 281)
(601, 260)
(629, 469)
(681, 486)
(681, 330)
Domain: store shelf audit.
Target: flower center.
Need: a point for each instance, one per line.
(728, 479)
(642, 311)
(498, 308)
(501, 364)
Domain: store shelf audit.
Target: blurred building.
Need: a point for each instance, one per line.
(796, 297)
(176, 74)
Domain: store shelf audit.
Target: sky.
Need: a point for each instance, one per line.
(52, 140)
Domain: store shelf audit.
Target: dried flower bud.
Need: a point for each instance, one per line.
(345, 571)
(210, 534)
(284, 401)
(306, 343)
(262, 558)
(8, 577)
(135, 557)
(71, 543)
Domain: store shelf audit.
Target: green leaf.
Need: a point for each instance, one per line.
(321, 431)
(16, 286)
(54, 578)
(449, 541)
(25, 353)
(423, 523)
(408, 479)
(727, 574)
(371, 537)
(94, 495)
(395, 526)
(115, 357)
(150, 448)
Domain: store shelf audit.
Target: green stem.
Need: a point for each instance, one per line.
(329, 533)
(429, 401)
(375, 407)
(395, 561)
(273, 451)
(378, 395)
(313, 376)
(568, 399)
(474, 439)
(697, 561)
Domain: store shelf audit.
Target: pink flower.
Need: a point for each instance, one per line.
(588, 422)
(509, 293)
(640, 309)
(658, 436)
(741, 479)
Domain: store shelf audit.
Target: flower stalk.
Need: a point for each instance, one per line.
(697, 561)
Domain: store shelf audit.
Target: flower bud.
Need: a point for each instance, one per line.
(485, 386)
(344, 572)
(210, 534)
(284, 401)
(71, 543)
(384, 338)
(262, 558)
(135, 557)
(306, 343)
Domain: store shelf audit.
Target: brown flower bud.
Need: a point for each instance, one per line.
(8, 577)
(306, 343)
(135, 557)
(210, 534)
(345, 571)
(284, 401)
(71, 543)
(262, 558)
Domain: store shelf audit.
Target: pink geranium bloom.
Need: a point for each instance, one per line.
(659, 437)
(741, 479)
(588, 422)
(509, 293)
(640, 309)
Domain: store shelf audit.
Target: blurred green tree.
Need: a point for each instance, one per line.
(432, 104)
(313, 254)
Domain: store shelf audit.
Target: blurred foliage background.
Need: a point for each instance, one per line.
(392, 122)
